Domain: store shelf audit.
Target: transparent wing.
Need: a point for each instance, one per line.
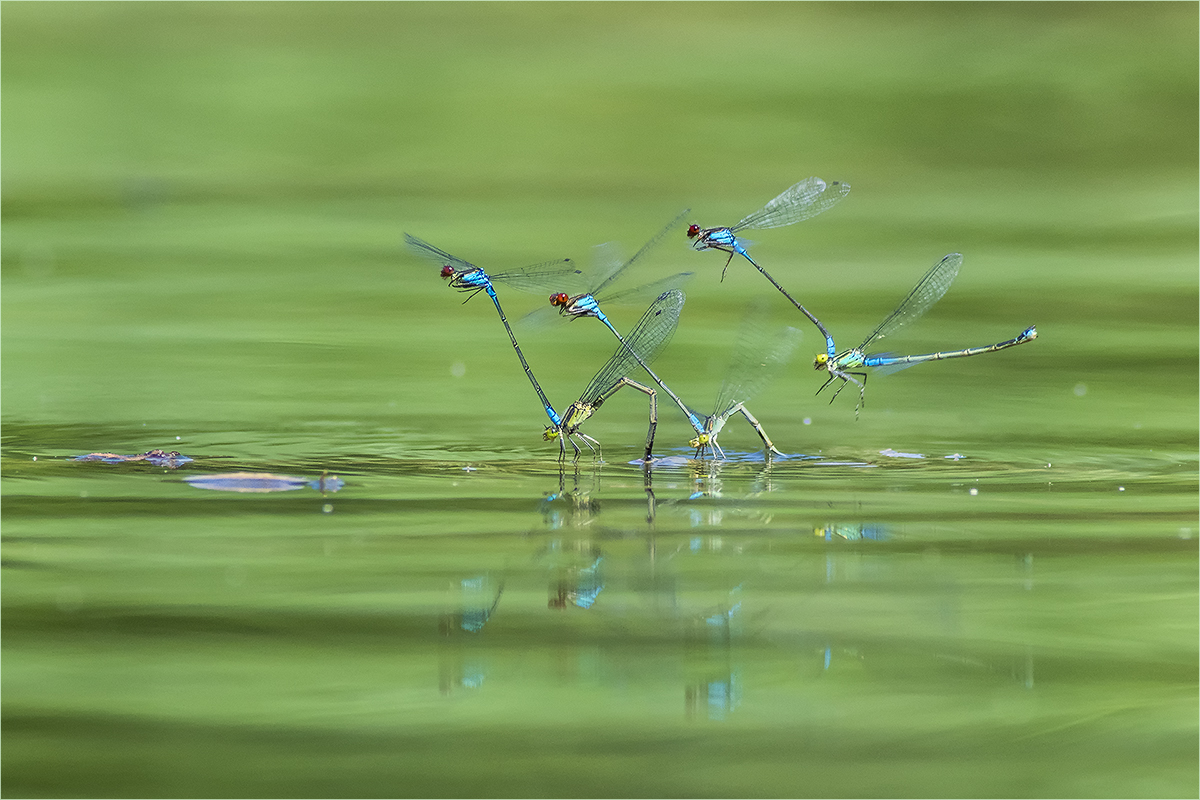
(761, 350)
(548, 315)
(549, 276)
(806, 199)
(560, 275)
(435, 254)
(644, 292)
(920, 299)
(608, 260)
(648, 339)
(545, 316)
(606, 280)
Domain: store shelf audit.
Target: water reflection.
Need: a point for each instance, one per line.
(713, 682)
(578, 575)
(575, 507)
(570, 507)
(461, 661)
(852, 531)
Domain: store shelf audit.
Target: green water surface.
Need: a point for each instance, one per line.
(986, 585)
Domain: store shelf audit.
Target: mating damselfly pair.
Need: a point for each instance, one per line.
(576, 293)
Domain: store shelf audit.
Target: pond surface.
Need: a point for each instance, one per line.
(374, 578)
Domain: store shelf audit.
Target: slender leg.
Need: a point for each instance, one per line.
(650, 393)
(762, 434)
(589, 441)
(653, 427)
(575, 446)
(862, 393)
(845, 380)
(727, 263)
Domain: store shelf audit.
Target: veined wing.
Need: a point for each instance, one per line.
(760, 351)
(546, 276)
(604, 280)
(560, 275)
(806, 199)
(638, 294)
(547, 315)
(648, 339)
(920, 299)
(436, 254)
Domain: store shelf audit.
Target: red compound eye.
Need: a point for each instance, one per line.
(693, 231)
(560, 299)
(447, 271)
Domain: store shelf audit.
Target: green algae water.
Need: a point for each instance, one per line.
(986, 585)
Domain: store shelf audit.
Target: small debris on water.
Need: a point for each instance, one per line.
(955, 457)
(159, 458)
(973, 491)
(262, 482)
(895, 454)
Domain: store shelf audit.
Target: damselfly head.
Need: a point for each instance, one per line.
(693, 231)
(821, 361)
(550, 434)
(447, 271)
(560, 299)
(700, 440)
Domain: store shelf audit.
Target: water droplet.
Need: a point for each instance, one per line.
(973, 491)
(808, 420)
(1080, 389)
(327, 508)
(458, 369)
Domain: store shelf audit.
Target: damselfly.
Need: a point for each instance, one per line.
(760, 351)
(466, 277)
(806, 199)
(640, 347)
(607, 270)
(927, 292)
(588, 304)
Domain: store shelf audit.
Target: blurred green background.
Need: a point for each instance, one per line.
(203, 208)
(204, 204)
